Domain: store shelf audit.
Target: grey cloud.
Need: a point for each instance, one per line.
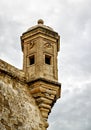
(75, 52)
(73, 111)
(72, 20)
(9, 40)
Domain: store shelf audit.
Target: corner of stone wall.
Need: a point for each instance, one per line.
(18, 109)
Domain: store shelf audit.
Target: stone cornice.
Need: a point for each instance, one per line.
(45, 80)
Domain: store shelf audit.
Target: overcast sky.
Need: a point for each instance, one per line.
(72, 20)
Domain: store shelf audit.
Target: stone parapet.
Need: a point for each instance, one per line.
(12, 71)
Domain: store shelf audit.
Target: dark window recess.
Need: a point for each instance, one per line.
(47, 59)
(31, 60)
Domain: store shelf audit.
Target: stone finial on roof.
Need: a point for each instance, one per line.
(40, 21)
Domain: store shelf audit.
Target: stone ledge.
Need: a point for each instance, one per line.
(45, 80)
(12, 71)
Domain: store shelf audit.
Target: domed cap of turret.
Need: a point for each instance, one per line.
(40, 23)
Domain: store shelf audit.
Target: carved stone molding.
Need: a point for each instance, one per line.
(48, 45)
(31, 44)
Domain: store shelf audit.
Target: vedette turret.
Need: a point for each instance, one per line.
(40, 46)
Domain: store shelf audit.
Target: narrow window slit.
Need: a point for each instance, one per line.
(31, 60)
(48, 59)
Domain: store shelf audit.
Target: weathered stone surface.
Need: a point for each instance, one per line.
(18, 110)
(45, 93)
(12, 71)
(42, 43)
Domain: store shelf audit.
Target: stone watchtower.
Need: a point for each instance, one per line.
(40, 46)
